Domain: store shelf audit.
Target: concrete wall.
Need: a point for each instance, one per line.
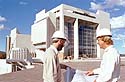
(39, 32)
(4, 67)
(13, 37)
(19, 40)
(23, 41)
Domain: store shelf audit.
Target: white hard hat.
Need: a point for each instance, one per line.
(103, 32)
(58, 34)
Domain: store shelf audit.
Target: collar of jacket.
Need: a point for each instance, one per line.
(54, 48)
(108, 48)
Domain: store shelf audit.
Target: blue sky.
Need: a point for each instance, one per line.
(21, 14)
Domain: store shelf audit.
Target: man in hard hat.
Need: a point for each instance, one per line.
(109, 70)
(52, 69)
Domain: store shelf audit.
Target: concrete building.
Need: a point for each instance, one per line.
(18, 40)
(79, 26)
(19, 52)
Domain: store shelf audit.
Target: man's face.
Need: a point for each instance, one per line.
(61, 45)
(100, 42)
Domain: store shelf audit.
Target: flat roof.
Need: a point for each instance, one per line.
(35, 74)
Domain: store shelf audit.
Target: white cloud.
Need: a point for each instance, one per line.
(107, 4)
(116, 2)
(2, 19)
(123, 45)
(118, 22)
(95, 6)
(2, 26)
(118, 36)
(116, 9)
(122, 36)
(23, 3)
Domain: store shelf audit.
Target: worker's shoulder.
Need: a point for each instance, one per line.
(49, 51)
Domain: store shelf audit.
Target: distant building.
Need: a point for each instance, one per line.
(79, 26)
(17, 40)
(2, 55)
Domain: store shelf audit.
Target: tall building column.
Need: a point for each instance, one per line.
(61, 24)
(8, 46)
(61, 21)
(76, 40)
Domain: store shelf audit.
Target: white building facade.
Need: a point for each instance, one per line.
(79, 26)
(18, 40)
(19, 52)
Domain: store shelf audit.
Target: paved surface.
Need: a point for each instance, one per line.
(35, 74)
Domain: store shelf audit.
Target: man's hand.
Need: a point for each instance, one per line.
(89, 73)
